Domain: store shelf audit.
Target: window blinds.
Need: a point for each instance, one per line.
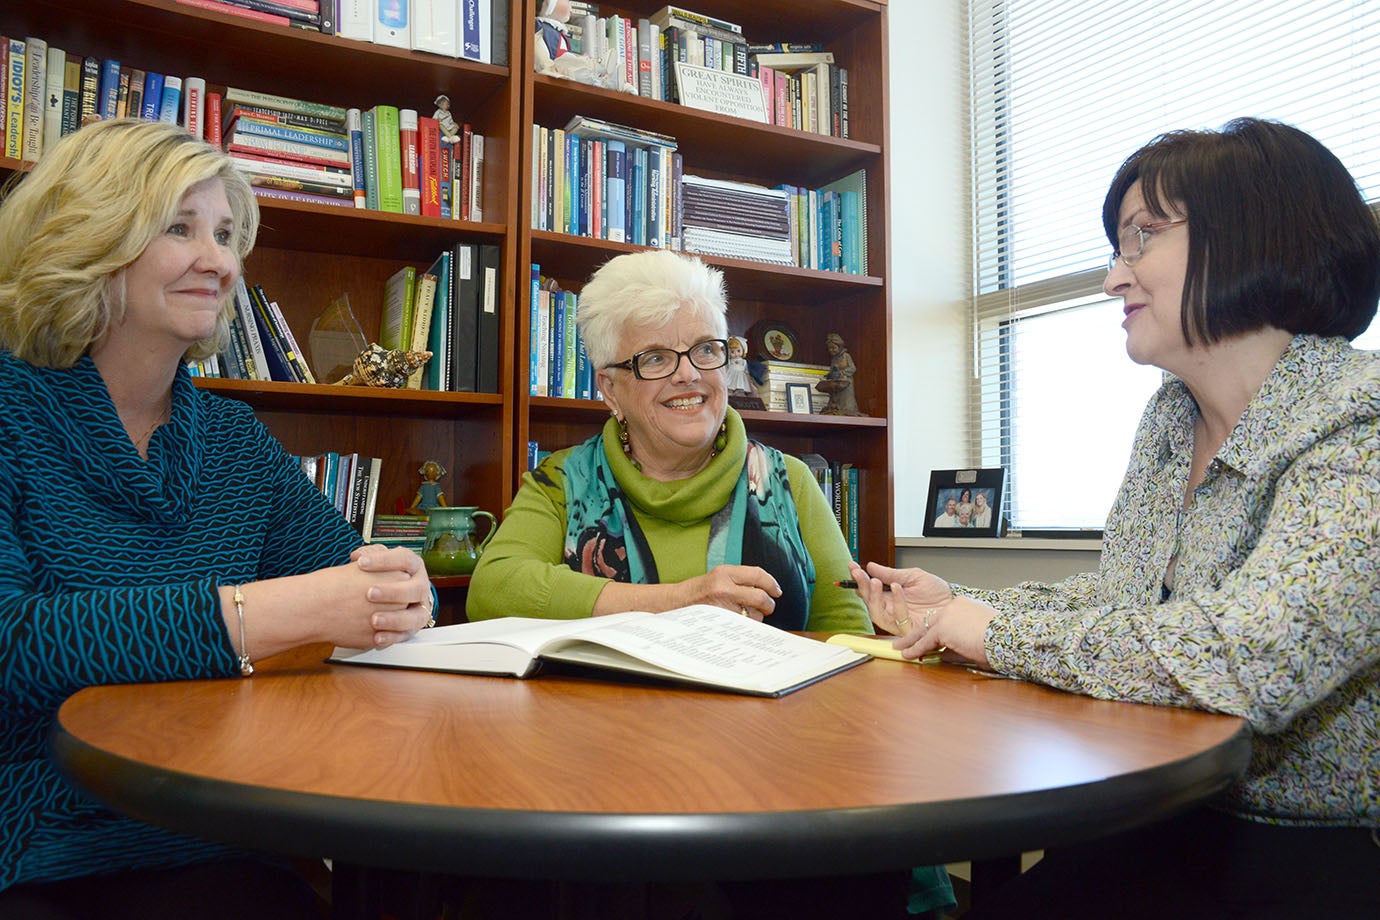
(1061, 91)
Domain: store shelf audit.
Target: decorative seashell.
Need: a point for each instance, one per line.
(379, 367)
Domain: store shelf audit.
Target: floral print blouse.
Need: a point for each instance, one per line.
(1274, 612)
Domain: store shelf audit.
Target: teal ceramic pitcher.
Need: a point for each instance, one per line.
(450, 547)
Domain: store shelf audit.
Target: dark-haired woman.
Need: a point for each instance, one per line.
(1240, 570)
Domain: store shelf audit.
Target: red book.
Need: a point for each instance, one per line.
(259, 153)
(429, 148)
(213, 132)
(237, 11)
(411, 173)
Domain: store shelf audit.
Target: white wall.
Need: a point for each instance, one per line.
(929, 247)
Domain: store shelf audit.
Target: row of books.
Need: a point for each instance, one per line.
(351, 482)
(557, 362)
(50, 93)
(451, 310)
(606, 181)
(828, 225)
(475, 30)
(384, 158)
(311, 15)
(802, 86)
(262, 345)
(842, 485)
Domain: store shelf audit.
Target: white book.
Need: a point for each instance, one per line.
(477, 178)
(194, 106)
(392, 23)
(289, 171)
(35, 85)
(52, 97)
(435, 27)
(701, 645)
(356, 20)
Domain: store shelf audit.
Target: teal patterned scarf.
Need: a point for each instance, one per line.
(758, 526)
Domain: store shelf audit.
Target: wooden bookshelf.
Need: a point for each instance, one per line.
(308, 254)
(815, 303)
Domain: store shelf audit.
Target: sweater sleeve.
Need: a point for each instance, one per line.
(832, 609)
(521, 572)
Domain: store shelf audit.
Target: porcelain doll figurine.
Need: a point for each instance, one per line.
(429, 493)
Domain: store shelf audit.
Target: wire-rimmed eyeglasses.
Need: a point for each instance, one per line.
(1138, 234)
(656, 363)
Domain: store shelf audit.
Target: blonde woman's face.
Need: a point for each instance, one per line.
(175, 289)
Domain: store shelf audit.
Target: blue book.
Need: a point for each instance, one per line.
(109, 93)
(296, 135)
(371, 176)
(470, 43)
(572, 183)
(569, 346)
(583, 229)
(533, 327)
(439, 337)
(355, 126)
(584, 375)
(615, 181)
(171, 105)
(848, 222)
(153, 96)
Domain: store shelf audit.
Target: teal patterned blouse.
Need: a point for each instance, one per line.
(1274, 613)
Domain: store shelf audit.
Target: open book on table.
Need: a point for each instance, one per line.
(700, 644)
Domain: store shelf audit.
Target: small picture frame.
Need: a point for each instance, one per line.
(798, 400)
(965, 503)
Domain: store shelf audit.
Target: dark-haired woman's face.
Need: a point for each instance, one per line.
(1151, 289)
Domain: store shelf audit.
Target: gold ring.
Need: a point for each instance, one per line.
(743, 611)
(430, 622)
(928, 615)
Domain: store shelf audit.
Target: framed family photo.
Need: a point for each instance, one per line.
(798, 398)
(964, 503)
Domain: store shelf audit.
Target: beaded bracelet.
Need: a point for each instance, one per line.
(246, 666)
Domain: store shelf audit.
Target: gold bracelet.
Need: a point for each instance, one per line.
(246, 666)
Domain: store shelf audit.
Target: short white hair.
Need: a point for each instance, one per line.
(647, 288)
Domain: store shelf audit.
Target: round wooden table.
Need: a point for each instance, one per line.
(590, 778)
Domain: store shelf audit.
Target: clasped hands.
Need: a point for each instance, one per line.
(921, 609)
(400, 594)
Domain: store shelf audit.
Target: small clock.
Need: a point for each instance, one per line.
(772, 340)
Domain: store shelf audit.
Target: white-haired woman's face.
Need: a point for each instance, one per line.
(672, 422)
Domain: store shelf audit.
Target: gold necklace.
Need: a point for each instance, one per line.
(143, 443)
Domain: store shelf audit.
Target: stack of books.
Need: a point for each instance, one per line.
(297, 14)
(780, 373)
(399, 530)
(350, 482)
(289, 148)
(736, 220)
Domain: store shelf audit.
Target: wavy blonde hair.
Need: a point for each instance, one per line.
(89, 208)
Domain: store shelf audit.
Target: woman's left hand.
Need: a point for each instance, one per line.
(403, 606)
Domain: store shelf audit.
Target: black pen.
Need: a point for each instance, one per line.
(850, 583)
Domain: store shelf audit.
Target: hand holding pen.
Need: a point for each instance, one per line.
(922, 609)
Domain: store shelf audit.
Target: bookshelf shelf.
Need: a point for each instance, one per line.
(815, 303)
(309, 254)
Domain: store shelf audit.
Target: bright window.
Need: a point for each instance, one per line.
(1061, 92)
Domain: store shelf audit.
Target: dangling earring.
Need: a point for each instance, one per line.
(624, 443)
(720, 442)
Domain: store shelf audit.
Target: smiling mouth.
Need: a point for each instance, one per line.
(684, 402)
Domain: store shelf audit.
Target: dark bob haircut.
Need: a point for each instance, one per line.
(1279, 234)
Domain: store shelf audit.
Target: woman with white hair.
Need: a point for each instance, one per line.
(671, 504)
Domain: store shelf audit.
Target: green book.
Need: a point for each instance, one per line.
(388, 147)
(396, 322)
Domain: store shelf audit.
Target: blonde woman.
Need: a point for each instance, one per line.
(148, 530)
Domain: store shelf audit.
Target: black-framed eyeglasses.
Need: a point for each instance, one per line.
(657, 363)
(1138, 235)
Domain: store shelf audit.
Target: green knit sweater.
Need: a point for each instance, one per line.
(521, 572)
